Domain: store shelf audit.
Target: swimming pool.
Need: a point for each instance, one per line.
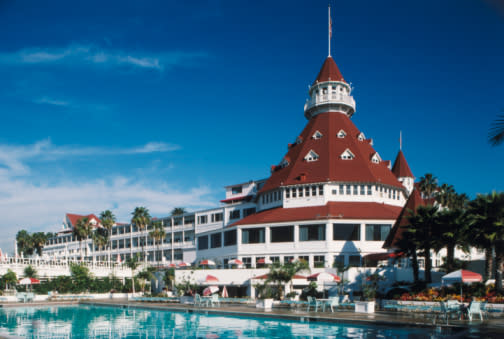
(86, 321)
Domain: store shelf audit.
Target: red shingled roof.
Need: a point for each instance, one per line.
(412, 204)
(401, 168)
(332, 210)
(329, 166)
(73, 218)
(329, 72)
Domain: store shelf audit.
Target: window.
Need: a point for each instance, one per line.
(216, 217)
(294, 192)
(252, 235)
(248, 211)
(347, 155)
(300, 192)
(354, 260)
(377, 232)
(216, 240)
(282, 234)
(317, 135)
(361, 136)
(335, 192)
(348, 189)
(275, 259)
(307, 191)
(346, 232)
(234, 214)
(288, 258)
(230, 238)
(362, 190)
(368, 189)
(247, 262)
(304, 258)
(236, 190)
(376, 158)
(341, 134)
(355, 190)
(341, 189)
(318, 261)
(314, 191)
(321, 190)
(203, 242)
(311, 232)
(311, 156)
(339, 261)
(202, 219)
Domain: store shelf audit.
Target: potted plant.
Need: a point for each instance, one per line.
(369, 294)
(265, 293)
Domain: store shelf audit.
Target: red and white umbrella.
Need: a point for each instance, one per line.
(172, 265)
(324, 276)
(207, 262)
(118, 258)
(235, 262)
(210, 290)
(28, 281)
(462, 277)
(225, 292)
(184, 264)
(211, 279)
(265, 261)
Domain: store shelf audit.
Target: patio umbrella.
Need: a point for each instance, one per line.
(28, 281)
(462, 277)
(210, 290)
(184, 264)
(225, 292)
(235, 262)
(172, 265)
(211, 279)
(118, 258)
(207, 262)
(323, 277)
(265, 261)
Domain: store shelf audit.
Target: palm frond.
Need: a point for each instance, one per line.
(496, 133)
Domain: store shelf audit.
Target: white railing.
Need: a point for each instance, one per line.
(330, 99)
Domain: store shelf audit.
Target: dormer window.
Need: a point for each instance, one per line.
(361, 136)
(299, 140)
(317, 135)
(347, 155)
(375, 158)
(311, 156)
(284, 163)
(341, 134)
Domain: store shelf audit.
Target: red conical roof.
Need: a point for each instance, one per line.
(414, 200)
(401, 168)
(329, 72)
(329, 147)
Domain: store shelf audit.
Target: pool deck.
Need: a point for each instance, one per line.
(489, 328)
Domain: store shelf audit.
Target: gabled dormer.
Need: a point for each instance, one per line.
(317, 135)
(311, 156)
(284, 163)
(299, 140)
(375, 158)
(361, 136)
(341, 134)
(347, 155)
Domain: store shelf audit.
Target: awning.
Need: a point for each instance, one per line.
(382, 256)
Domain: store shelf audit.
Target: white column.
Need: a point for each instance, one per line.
(296, 236)
(267, 236)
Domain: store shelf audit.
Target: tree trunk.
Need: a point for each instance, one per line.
(428, 265)
(414, 266)
(450, 254)
(499, 261)
(488, 262)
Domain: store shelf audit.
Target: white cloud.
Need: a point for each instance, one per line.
(51, 101)
(24, 205)
(77, 54)
(12, 158)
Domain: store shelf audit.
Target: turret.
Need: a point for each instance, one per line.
(403, 172)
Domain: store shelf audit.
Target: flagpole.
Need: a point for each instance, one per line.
(329, 28)
(400, 140)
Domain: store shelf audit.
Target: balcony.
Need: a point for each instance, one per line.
(332, 98)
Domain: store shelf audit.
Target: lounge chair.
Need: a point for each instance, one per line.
(446, 312)
(475, 308)
(332, 303)
(21, 296)
(214, 300)
(312, 302)
(199, 301)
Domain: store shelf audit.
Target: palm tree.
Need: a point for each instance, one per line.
(157, 234)
(39, 239)
(428, 186)
(133, 263)
(407, 245)
(108, 220)
(487, 231)
(178, 211)
(141, 218)
(446, 195)
(100, 238)
(422, 226)
(82, 230)
(450, 233)
(283, 274)
(24, 242)
(496, 134)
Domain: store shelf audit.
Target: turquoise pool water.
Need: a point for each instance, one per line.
(85, 321)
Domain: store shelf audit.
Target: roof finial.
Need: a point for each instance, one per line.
(400, 140)
(330, 27)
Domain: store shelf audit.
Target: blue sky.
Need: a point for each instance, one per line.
(117, 104)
